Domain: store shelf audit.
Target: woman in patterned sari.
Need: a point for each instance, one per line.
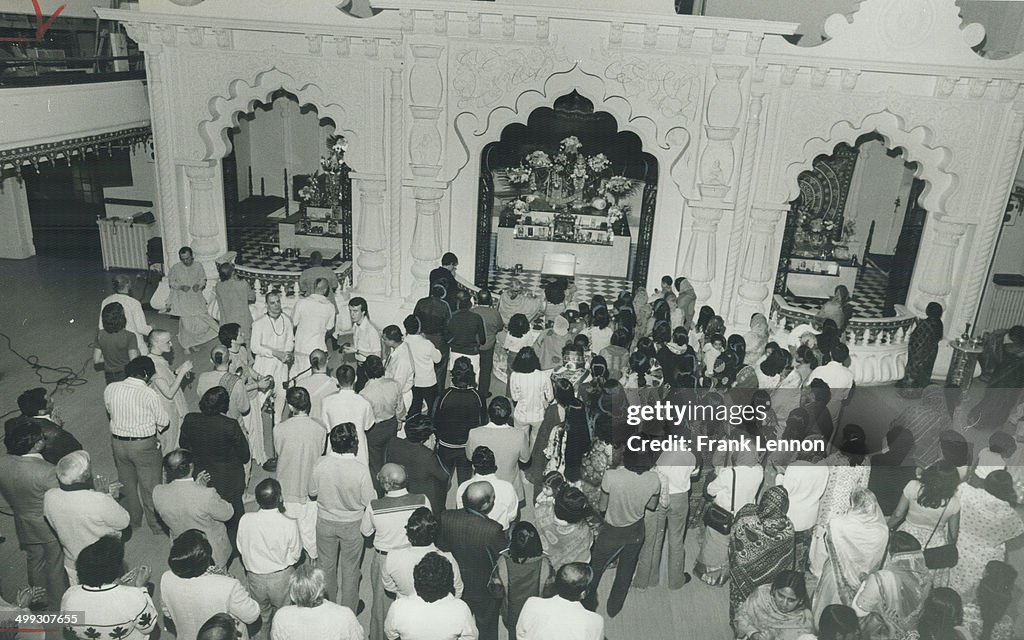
(987, 522)
(855, 545)
(921, 351)
(890, 600)
(760, 545)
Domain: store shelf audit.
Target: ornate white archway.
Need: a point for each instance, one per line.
(241, 96)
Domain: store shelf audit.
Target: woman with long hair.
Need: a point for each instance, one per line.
(598, 459)
(523, 571)
(675, 356)
(602, 394)
(838, 308)
(986, 618)
(988, 520)
(569, 441)
(746, 377)
(890, 599)
(115, 345)
(700, 327)
(854, 546)
(786, 395)
(530, 389)
(942, 617)
(600, 329)
(168, 385)
(616, 354)
(930, 509)
(760, 545)
(779, 610)
(838, 622)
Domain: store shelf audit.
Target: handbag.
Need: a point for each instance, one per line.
(717, 517)
(943, 557)
(495, 585)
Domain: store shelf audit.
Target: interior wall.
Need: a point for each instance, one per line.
(1009, 258)
(276, 137)
(884, 178)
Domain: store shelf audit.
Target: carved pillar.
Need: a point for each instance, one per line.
(372, 255)
(990, 222)
(760, 260)
(205, 217)
(426, 239)
(739, 222)
(701, 255)
(426, 94)
(725, 104)
(396, 147)
(935, 274)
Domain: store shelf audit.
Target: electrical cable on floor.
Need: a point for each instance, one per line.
(68, 380)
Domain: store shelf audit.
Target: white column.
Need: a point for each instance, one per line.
(396, 147)
(426, 239)
(206, 225)
(934, 273)
(16, 237)
(760, 263)
(699, 265)
(371, 254)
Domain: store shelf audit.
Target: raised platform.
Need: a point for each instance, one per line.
(610, 261)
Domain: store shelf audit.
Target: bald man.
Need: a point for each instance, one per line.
(385, 520)
(475, 540)
(320, 384)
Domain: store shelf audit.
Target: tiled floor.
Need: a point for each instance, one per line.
(586, 286)
(51, 313)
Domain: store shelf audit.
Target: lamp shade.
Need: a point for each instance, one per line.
(559, 264)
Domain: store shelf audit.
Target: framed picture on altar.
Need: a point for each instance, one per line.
(1015, 206)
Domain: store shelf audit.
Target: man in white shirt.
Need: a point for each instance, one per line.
(805, 483)
(272, 342)
(79, 514)
(506, 501)
(184, 503)
(432, 612)
(270, 546)
(676, 469)
(319, 384)
(399, 364)
(133, 312)
(839, 378)
(313, 317)
(422, 530)
(348, 406)
(299, 441)
(365, 338)
(425, 355)
(562, 616)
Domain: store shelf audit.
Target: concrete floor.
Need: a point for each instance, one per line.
(49, 310)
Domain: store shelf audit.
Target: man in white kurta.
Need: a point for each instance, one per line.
(399, 364)
(272, 342)
(348, 406)
(313, 316)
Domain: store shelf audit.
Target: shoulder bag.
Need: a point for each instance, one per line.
(943, 557)
(717, 517)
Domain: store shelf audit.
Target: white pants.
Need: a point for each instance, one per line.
(305, 514)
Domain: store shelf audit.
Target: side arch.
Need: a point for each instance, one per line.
(242, 94)
(917, 143)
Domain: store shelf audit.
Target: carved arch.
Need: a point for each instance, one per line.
(917, 143)
(473, 133)
(242, 95)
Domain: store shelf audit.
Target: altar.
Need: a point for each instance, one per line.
(594, 259)
(818, 278)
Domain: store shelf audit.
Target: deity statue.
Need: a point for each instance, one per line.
(579, 178)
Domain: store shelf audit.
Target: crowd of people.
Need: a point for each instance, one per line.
(480, 509)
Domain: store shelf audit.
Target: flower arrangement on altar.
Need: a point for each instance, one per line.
(817, 236)
(567, 175)
(324, 186)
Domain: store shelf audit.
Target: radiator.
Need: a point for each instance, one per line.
(123, 243)
(1004, 307)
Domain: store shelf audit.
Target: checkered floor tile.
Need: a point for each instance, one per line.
(868, 295)
(253, 237)
(586, 286)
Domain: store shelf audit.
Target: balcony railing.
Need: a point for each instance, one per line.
(38, 72)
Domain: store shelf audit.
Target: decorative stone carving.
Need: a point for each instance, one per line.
(759, 263)
(372, 258)
(719, 40)
(701, 251)
(650, 36)
(753, 45)
(818, 76)
(207, 239)
(408, 18)
(315, 43)
(225, 38)
(978, 87)
(849, 79)
(674, 92)
(685, 40)
(789, 74)
(543, 29)
(440, 22)
(195, 36)
(935, 274)
(725, 104)
(944, 86)
(371, 47)
(426, 239)
(508, 26)
(395, 159)
(168, 34)
(484, 76)
(426, 90)
(615, 34)
(342, 46)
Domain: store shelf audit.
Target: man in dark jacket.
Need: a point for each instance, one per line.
(476, 541)
(434, 313)
(415, 452)
(465, 333)
(38, 405)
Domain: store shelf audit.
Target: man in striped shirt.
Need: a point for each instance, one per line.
(385, 519)
(136, 415)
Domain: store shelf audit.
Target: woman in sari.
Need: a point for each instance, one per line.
(757, 338)
(760, 545)
(942, 618)
(746, 377)
(988, 521)
(837, 308)
(855, 545)
(922, 348)
(987, 617)
(776, 611)
(889, 601)
(240, 364)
